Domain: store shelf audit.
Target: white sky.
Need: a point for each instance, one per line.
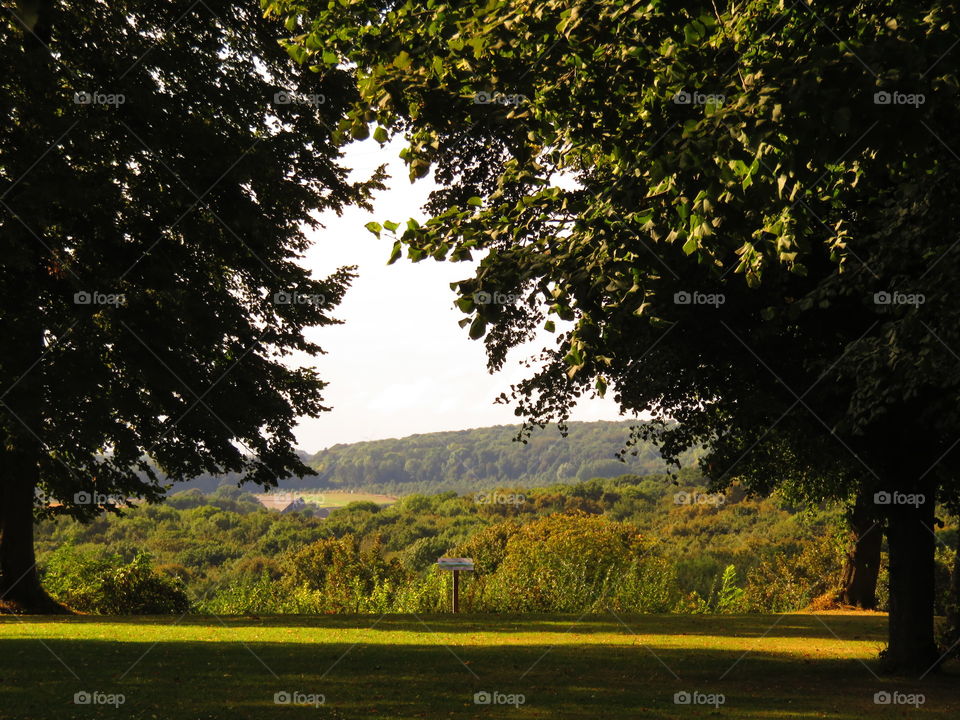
(400, 364)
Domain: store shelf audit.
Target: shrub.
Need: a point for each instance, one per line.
(90, 582)
(567, 563)
(337, 575)
(789, 582)
(245, 597)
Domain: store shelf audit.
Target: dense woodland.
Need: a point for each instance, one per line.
(467, 460)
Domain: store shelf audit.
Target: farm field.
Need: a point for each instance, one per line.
(327, 499)
(761, 667)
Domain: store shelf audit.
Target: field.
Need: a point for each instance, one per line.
(774, 666)
(322, 498)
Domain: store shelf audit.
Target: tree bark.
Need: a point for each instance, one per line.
(953, 608)
(862, 568)
(912, 545)
(22, 330)
(19, 579)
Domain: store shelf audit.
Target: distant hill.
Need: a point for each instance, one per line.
(464, 460)
(468, 460)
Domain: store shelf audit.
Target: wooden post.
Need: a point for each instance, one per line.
(456, 565)
(456, 591)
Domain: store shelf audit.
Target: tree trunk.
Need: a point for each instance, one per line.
(21, 424)
(859, 583)
(912, 649)
(22, 330)
(953, 608)
(19, 580)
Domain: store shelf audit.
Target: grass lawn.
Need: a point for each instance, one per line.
(596, 667)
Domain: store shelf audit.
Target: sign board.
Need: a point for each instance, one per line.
(455, 563)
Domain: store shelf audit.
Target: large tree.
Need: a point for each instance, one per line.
(157, 167)
(760, 236)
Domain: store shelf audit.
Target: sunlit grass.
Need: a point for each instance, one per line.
(626, 666)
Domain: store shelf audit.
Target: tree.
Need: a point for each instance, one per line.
(809, 466)
(751, 236)
(154, 179)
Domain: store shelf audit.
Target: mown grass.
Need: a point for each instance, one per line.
(787, 666)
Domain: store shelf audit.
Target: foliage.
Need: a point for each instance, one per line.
(104, 584)
(475, 459)
(569, 563)
(745, 239)
(338, 575)
(788, 582)
(566, 546)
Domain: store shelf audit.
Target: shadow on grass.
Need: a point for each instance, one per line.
(219, 678)
(825, 626)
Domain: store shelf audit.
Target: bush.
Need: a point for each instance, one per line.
(725, 596)
(423, 553)
(789, 582)
(337, 575)
(245, 597)
(567, 563)
(90, 582)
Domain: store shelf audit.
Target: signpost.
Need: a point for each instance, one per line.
(456, 565)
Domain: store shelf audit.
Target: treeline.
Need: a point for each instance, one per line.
(468, 460)
(474, 459)
(646, 544)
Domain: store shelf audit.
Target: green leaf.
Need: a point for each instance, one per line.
(477, 328)
(374, 227)
(601, 386)
(395, 253)
(475, 201)
(419, 168)
(380, 135)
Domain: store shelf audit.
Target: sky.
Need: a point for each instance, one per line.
(401, 364)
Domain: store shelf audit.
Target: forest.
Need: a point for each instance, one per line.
(462, 460)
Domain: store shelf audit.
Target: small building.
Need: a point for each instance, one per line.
(298, 505)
